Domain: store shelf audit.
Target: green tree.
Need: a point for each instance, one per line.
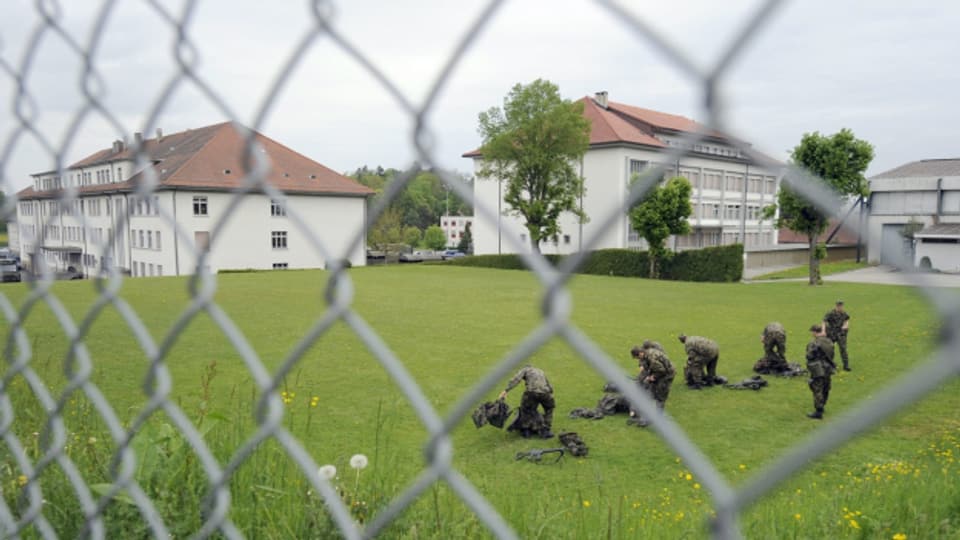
(434, 237)
(533, 144)
(840, 160)
(664, 211)
(466, 240)
(412, 235)
(422, 201)
(386, 230)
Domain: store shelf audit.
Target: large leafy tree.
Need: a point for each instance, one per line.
(840, 160)
(664, 211)
(434, 237)
(533, 144)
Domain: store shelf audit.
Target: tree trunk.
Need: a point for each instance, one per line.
(534, 243)
(653, 265)
(814, 261)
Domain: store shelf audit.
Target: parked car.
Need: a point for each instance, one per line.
(9, 269)
(452, 254)
(421, 255)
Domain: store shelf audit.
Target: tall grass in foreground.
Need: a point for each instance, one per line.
(916, 495)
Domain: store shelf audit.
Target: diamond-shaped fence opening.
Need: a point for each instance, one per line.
(179, 441)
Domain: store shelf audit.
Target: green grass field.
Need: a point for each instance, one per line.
(826, 268)
(450, 326)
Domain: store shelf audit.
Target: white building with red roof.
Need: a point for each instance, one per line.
(154, 215)
(729, 189)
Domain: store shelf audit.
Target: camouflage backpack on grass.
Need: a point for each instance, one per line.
(494, 413)
(574, 444)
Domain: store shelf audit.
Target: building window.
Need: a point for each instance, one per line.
(159, 269)
(142, 243)
(637, 166)
(151, 270)
(158, 240)
(566, 239)
(143, 269)
(156, 205)
(277, 209)
(200, 206)
(278, 239)
(279, 266)
(149, 239)
(133, 269)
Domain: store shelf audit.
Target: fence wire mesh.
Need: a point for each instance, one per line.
(30, 517)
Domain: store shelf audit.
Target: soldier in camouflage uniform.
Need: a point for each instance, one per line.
(537, 391)
(836, 322)
(656, 375)
(702, 357)
(821, 367)
(774, 339)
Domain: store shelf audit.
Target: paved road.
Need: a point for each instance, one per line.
(883, 275)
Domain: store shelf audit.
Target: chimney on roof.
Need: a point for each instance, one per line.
(159, 135)
(600, 98)
(138, 138)
(117, 146)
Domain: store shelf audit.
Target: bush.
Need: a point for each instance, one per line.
(718, 264)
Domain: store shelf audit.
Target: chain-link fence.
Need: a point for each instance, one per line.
(31, 517)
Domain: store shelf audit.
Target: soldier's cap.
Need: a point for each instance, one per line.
(648, 344)
(815, 328)
(839, 302)
(636, 350)
(682, 338)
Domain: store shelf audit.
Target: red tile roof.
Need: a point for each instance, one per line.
(621, 123)
(211, 158)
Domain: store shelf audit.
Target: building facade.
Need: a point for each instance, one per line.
(193, 207)
(907, 200)
(454, 227)
(729, 189)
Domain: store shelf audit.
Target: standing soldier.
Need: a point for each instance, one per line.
(537, 391)
(774, 339)
(836, 322)
(656, 375)
(821, 367)
(702, 356)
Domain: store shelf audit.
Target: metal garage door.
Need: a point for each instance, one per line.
(894, 248)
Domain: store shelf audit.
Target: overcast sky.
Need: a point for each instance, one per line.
(885, 69)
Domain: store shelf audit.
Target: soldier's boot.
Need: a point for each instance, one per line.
(817, 414)
(846, 365)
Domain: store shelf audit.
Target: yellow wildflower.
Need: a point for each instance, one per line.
(899, 536)
(797, 517)
(688, 477)
(586, 504)
(22, 480)
(696, 486)
(742, 467)
(854, 524)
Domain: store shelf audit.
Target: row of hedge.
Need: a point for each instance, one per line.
(718, 264)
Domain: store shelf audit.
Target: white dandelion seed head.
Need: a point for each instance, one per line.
(358, 461)
(327, 471)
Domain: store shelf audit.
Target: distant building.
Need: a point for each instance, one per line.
(454, 227)
(909, 202)
(729, 189)
(197, 172)
(846, 235)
